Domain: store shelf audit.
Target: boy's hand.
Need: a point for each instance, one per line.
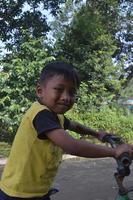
(119, 150)
(105, 137)
(101, 135)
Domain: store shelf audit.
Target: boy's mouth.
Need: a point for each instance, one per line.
(64, 105)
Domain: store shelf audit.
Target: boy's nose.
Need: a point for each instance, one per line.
(65, 96)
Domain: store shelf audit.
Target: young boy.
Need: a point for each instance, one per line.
(42, 137)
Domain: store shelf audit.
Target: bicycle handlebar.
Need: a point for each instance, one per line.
(124, 161)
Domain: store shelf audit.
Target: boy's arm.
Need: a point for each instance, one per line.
(82, 148)
(83, 130)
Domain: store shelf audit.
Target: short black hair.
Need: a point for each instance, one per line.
(60, 68)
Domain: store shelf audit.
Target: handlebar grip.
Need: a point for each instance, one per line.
(124, 159)
(113, 140)
(124, 162)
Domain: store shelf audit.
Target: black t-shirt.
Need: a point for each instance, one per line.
(46, 121)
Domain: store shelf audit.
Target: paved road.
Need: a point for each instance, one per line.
(87, 179)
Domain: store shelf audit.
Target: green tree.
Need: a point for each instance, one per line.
(17, 81)
(89, 42)
(97, 35)
(25, 16)
(128, 91)
(63, 18)
(125, 39)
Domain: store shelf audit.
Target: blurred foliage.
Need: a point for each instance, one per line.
(18, 78)
(4, 149)
(112, 120)
(108, 116)
(127, 92)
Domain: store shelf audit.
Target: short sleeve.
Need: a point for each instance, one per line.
(44, 122)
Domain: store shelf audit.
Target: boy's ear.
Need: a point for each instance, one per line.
(38, 90)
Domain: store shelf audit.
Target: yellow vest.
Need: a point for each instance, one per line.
(32, 163)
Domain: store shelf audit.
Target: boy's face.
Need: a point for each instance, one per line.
(57, 93)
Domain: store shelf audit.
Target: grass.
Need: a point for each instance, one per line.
(4, 149)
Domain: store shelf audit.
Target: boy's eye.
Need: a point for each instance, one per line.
(72, 92)
(58, 89)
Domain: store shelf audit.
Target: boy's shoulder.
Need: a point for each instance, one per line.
(35, 108)
(37, 105)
